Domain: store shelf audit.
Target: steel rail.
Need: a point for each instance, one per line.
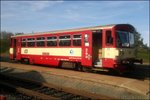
(28, 92)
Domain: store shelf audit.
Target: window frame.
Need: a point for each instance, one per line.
(22, 41)
(56, 40)
(28, 41)
(76, 39)
(43, 39)
(65, 39)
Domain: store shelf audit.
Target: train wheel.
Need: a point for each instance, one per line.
(25, 61)
(85, 69)
(131, 66)
(77, 66)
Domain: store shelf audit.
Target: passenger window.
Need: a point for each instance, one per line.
(23, 42)
(40, 41)
(76, 40)
(65, 40)
(109, 39)
(31, 42)
(52, 41)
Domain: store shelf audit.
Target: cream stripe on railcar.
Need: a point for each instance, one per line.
(110, 53)
(53, 51)
(11, 50)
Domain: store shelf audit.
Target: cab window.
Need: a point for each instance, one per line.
(109, 39)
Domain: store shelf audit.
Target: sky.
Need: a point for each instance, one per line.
(41, 16)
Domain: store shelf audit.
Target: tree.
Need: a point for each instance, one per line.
(138, 40)
(5, 40)
(6, 35)
(141, 49)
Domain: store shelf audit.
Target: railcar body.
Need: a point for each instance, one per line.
(108, 47)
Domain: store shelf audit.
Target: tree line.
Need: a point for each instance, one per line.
(5, 40)
(141, 50)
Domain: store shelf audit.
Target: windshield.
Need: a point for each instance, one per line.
(125, 39)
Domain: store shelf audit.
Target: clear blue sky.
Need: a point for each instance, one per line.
(38, 16)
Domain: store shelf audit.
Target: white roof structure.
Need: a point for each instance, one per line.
(71, 30)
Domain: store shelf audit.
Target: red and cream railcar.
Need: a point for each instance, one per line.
(109, 47)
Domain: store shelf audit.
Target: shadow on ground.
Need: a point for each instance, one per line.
(140, 72)
(32, 75)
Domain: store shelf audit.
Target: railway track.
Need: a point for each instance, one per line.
(29, 89)
(63, 86)
(139, 72)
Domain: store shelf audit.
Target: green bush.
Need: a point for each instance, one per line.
(144, 54)
(4, 45)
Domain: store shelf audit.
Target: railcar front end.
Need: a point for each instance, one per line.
(117, 49)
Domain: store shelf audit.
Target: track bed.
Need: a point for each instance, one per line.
(86, 85)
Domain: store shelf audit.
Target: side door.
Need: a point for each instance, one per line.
(87, 48)
(18, 48)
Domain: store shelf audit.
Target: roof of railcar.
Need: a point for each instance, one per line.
(71, 30)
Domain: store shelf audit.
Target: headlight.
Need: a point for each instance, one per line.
(121, 52)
